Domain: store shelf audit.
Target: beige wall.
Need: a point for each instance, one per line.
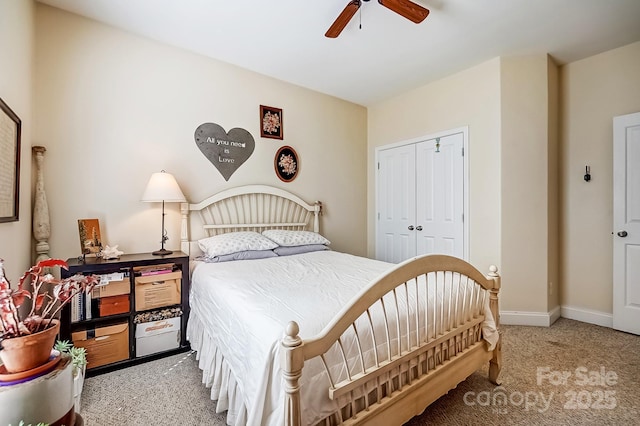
(469, 98)
(547, 124)
(525, 182)
(101, 94)
(16, 47)
(553, 185)
(594, 90)
(508, 105)
(113, 108)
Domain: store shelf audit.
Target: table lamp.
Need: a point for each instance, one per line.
(162, 187)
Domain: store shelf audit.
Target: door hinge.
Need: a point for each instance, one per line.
(378, 165)
(378, 215)
(463, 151)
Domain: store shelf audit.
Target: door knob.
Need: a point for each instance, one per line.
(419, 228)
(622, 234)
(410, 228)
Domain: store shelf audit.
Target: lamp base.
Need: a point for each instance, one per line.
(162, 252)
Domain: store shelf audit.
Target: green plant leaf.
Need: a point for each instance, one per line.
(63, 346)
(78, 355)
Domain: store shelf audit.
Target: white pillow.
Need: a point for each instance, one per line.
(294, 238)
(233, 242)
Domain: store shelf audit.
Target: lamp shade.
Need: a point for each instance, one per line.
(162, 186)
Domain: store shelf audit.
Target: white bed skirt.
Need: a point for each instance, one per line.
(216, 373)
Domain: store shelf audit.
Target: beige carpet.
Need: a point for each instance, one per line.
(570, 373)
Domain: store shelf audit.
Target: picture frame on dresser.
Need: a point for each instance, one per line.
(10, 128)
(90, 236)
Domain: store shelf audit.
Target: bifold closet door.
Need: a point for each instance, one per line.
(396, 192)
(440, 196)
(420, 199)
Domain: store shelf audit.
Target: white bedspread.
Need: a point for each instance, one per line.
(244, 307)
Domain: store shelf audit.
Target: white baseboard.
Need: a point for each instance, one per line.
(587, 315)
(537, 319)
(545, 319)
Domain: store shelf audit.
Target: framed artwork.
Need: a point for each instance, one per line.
(90, 238)
(287, 164)
(270, 122)
(10, 126)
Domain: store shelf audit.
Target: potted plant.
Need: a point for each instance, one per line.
(79, 362)
(27, 335)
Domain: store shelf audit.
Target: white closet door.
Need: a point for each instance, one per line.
(395, 241)
(440, 196)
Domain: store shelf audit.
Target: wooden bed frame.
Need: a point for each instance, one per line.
(405, 380)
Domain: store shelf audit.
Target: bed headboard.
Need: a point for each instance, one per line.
(246, 208)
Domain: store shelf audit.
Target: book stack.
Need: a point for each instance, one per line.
(81, 307)
(85, 306)
(160, 269)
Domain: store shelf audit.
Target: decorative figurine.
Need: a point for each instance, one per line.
(111, 252)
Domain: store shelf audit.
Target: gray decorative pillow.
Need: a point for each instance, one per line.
(241, 255)
(288, 251)
(234, 242)
(288, 238)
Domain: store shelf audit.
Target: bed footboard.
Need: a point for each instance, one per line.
(433, 312)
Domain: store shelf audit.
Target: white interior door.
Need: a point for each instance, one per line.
(440, 196)
(395, 239)
(626, 223)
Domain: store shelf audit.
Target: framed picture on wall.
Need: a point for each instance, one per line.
(287, 164)
(270, 122)
(10, 126)
(90, 238)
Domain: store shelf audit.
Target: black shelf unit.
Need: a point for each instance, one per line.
(99, 266)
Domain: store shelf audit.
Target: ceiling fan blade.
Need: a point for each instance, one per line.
(343, 19)
(410, 10)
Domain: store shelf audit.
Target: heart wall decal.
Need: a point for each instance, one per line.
(226, 151)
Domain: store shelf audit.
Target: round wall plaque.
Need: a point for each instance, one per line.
(286, 163)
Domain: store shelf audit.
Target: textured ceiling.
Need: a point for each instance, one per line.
(389, 54)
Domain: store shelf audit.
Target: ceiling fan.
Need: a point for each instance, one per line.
(410, 10)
